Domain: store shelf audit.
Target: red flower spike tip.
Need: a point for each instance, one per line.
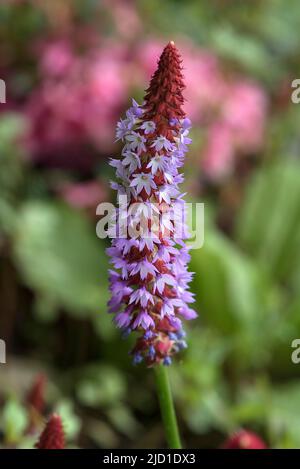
(164, 100)
(244, 439)
(36, 395)
(53, 436)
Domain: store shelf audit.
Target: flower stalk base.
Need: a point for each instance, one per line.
(167, 407)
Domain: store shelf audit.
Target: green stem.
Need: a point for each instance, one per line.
(167, 406)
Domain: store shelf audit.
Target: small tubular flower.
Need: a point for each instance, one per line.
(149, 282)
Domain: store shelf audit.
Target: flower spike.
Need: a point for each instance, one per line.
(53, 436)
(149, 282)
(36, 395)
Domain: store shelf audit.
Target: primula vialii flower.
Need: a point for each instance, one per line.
(36, 395)
(53, 436)
(149, 283)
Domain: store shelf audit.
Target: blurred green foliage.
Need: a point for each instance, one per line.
(60, 259)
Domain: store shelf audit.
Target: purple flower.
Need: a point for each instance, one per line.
(142, 296)
(162, 143)
(165, 193)
(187, 313)
(150, 285)
(173, 121)
(136, 141)
(148, 127)
(143, 181)
(144, 320)
(158, 162)
(136, 109)
(143, 268)
(163, 280)
(123, 320)
(186, 123)
(132, 160)
(122, 129)
(122, 264)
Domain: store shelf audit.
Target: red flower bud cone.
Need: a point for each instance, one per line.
(164, 99)
(53, 436)
(244, 439)
(36, 395)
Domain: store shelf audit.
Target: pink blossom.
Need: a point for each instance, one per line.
(74, 110)
(83, 194)
(244, 111)
(219, 151)
(57, 58)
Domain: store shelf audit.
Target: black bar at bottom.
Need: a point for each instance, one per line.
(141, 457)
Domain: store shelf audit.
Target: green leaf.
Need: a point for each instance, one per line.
(268, 225)
(198, 384)
(15, 420)
(100, 385)
(71, 423)
(285, 414)
(248, 51)
(123, 420)
(230, 289)
(235, 297)
(61, 259)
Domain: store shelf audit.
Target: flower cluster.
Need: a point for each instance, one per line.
(150, 277)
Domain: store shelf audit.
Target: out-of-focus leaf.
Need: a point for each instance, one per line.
(198, 383)
(61, 259)
(101, 433)
(27, 442)
(209, 413)
(247, 51)
(15, 420)
(105, 327)
(11, 128)
(229, 288)
(288, 329)
(123, 420)
(285, 414)
(71, 422)
(279, 25)
(235, 297)
(100, 385)
(268, 225)
(252, 402)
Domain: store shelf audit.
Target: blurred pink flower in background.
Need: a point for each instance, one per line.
(239, 131)
(218, 152)
(74, 110)
(244, 111)
(204, 81)
(83, 195)
(229, 110)
(126, 19)
(57, 58)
